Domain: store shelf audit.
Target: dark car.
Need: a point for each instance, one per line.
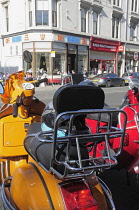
(108, 80)
(130, 77)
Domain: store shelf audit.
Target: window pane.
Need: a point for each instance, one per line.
(45, 17)
(41, 17)
(83, 20)
(38, 17)
(132, 8)
(95, 22)
(54, 18)
(136, 6)
(30, 18)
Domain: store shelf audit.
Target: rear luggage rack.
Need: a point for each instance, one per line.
(78, 163)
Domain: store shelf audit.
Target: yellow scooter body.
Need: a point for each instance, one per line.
(34, 188)
(13, 130)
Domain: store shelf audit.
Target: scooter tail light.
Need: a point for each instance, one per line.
(132, 77)
(77, 196)
(104, 78)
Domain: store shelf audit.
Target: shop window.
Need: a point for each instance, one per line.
(54, 13)
(115, 27)
(42, 63)
(83, 19)
(95, 22)
(134, 6)
(58, 64)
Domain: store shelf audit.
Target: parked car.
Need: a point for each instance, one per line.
(130, 77)
(108, 80)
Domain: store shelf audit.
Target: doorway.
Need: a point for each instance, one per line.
(71, 62)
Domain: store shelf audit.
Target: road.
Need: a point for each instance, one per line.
(113, 95)
(125, 196)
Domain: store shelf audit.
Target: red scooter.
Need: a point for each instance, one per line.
(129, 158)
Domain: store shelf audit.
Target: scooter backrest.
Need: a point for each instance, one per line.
(76, 97)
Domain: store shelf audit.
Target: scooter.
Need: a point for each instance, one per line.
(20, 109)
(129, 158)
(60, 173)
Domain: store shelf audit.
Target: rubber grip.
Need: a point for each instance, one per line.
(15, 110)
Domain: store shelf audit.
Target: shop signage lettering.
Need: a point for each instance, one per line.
(83, 41)
(17, 39)
(105, 47)
(72, 39)
(42, 36)
(26, 37)
(121, 48)
(7, 40)
(60, 37)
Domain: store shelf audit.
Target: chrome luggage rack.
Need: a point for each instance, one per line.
(81, 166)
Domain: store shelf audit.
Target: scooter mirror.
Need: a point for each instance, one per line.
(1, 88)
(27, 56)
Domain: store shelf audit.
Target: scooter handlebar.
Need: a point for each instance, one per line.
(37, 83)
(15, 110)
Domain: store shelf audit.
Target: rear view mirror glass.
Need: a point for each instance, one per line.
(27, 56)
(1, 88)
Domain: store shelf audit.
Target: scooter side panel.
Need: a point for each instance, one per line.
(12, 134)
(29, 189)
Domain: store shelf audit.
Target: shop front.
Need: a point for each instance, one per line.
(58, 56)
(131, 58)
(54, 55)
(104, 55)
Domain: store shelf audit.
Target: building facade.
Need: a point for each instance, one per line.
(62, 35)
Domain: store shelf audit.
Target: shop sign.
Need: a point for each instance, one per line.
(103, 47)
(135, 55)
(83, 41)
(7, 40)
(53, 54)
(42, 36)
(60, 37)
(17, 39)
(121, 48)
(26, 38)
(72, 39)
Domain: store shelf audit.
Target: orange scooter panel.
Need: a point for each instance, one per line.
(31, 190)
(12, 134)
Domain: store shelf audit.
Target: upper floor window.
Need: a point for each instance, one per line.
(41, 17)
(134, 6)
(116, 2)
(30, 13)
(83, 19)
(16, 50)
(95, 22)
(11, 50)
(115, 27)
(7, 18)
(42, 12)
(54, 13)
(133, 27)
